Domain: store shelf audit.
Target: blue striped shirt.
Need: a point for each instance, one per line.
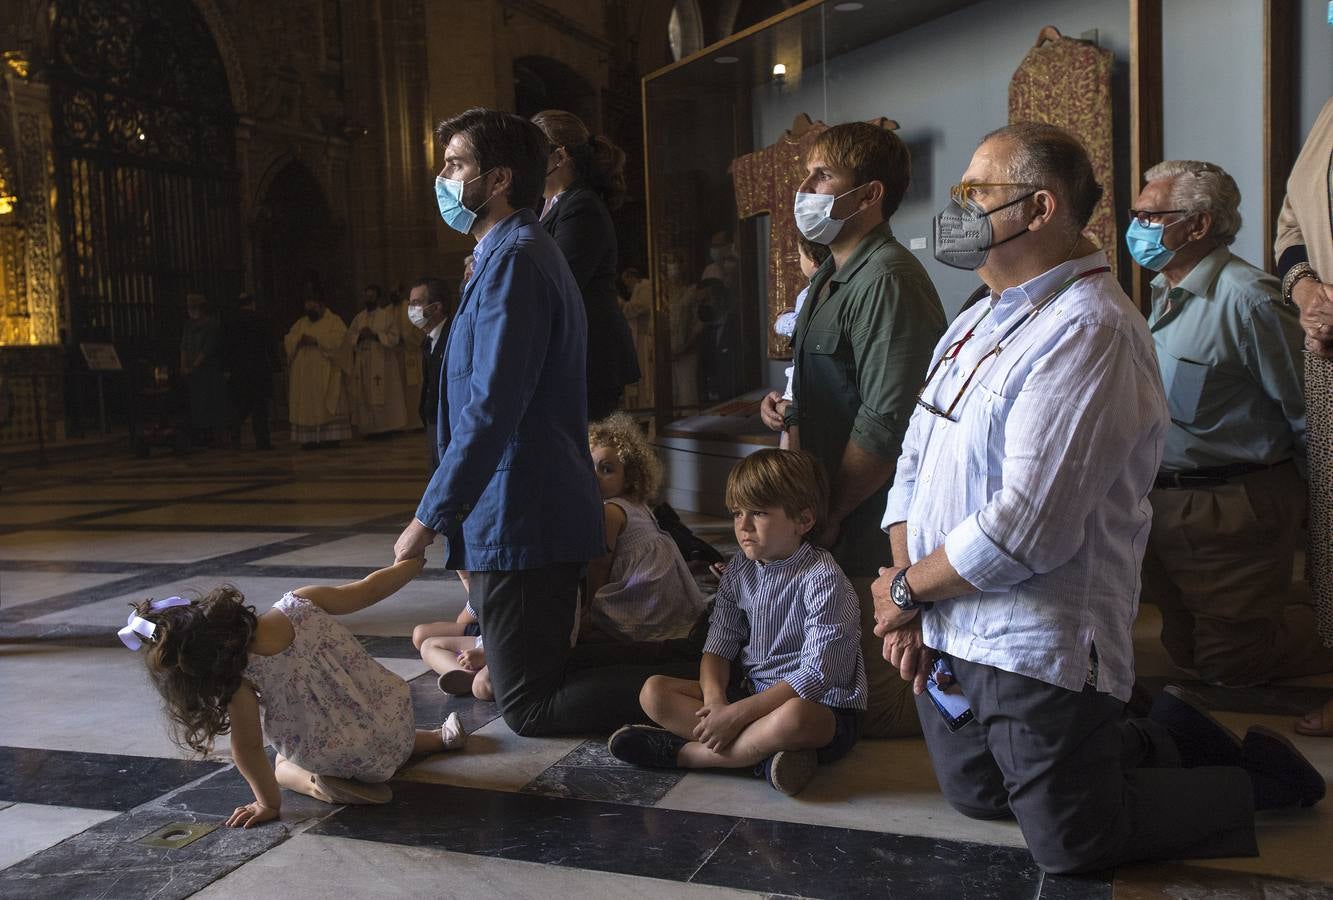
(796, 620)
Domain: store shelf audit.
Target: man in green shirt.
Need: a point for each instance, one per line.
(863, 341)
(1229, 497)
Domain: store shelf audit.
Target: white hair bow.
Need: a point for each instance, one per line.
(138, 627)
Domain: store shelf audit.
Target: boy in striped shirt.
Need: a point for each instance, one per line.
(782, 684)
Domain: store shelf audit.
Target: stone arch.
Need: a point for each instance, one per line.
(231, 61)
(294, 232)
(544, 83)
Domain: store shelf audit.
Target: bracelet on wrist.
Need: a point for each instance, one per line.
(1295, 274)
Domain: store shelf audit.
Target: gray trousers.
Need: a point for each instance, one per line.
(1077, 777)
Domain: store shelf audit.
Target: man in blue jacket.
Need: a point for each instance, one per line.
(515, 496)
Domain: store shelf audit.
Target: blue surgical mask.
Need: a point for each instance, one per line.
(1145, 245)
(449, 195)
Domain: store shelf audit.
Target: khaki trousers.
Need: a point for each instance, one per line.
(892, 710)
(1219, 566)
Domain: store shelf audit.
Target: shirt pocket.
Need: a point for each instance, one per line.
(1184, 381)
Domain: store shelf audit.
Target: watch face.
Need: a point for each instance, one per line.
(898, 592)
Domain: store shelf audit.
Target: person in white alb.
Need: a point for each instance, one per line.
(377, 382)
(1018, 520)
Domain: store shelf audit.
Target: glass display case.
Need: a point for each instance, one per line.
(725, 135)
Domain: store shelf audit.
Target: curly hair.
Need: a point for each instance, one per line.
(195, 660)
(643, 470)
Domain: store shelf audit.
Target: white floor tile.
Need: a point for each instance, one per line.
(882, 785)
(28, 828)
(330, 514)
(79, 698)
(316, 867)
(18, 588)
(494, 758)
(417, 602)
(170, 546)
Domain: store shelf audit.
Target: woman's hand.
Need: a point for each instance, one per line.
(1315, 300)
(251, 814)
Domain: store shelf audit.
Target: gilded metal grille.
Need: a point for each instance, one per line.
(145, 166)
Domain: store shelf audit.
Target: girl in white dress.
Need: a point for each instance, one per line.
(341, 723)
(642, 589)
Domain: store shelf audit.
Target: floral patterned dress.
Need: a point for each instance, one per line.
(327, 705)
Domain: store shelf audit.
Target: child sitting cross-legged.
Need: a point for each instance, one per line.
(782, 683)
(341, 723)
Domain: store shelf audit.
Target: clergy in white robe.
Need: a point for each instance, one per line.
(317, 363)
(377, 380)
(409, 358)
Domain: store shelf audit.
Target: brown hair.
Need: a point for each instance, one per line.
(870, 153)
(643, 470)
(596, 160)
(817, 252)
(196, 659)
(789, 479)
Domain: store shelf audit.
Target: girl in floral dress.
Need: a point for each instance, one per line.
(340, 722)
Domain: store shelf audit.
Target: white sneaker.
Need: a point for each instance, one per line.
(451, 731)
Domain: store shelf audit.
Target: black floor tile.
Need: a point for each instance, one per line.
(817, 861)
(388, 646)
(106, 862)
(431, 706)
(1265, 699)
(1076, 887)
(631, 840)
(92, 780)
(589, 772)
(220, 794)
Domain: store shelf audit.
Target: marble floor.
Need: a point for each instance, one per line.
(88, 773)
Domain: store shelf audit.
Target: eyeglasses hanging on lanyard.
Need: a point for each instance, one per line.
(951, 352)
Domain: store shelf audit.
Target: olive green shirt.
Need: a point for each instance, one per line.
(863, 341)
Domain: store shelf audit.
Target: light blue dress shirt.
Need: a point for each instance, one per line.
(1039, 490)
(1230, 352)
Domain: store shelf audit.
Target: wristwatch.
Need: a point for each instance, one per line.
(900, 592)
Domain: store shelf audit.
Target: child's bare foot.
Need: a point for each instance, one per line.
(458, 682)
(481, 685)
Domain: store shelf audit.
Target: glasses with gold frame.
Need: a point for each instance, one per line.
(964, 191)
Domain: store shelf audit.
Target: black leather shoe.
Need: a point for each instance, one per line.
(1201, 739)
(1282, 777)
(644, 745)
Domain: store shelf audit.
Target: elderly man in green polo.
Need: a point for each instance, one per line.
(862, 344)
(1230, 493)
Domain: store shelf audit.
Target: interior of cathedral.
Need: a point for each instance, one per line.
(189, 179)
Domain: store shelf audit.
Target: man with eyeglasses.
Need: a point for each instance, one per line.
(1018, 518)
(862, 343)
(1229, 496)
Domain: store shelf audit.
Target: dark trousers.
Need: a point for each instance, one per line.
(432, 446)
(251, 401)
(544, 686)
(1075, 774)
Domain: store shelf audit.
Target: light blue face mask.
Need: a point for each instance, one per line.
(449, 195)
(1145, 245)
